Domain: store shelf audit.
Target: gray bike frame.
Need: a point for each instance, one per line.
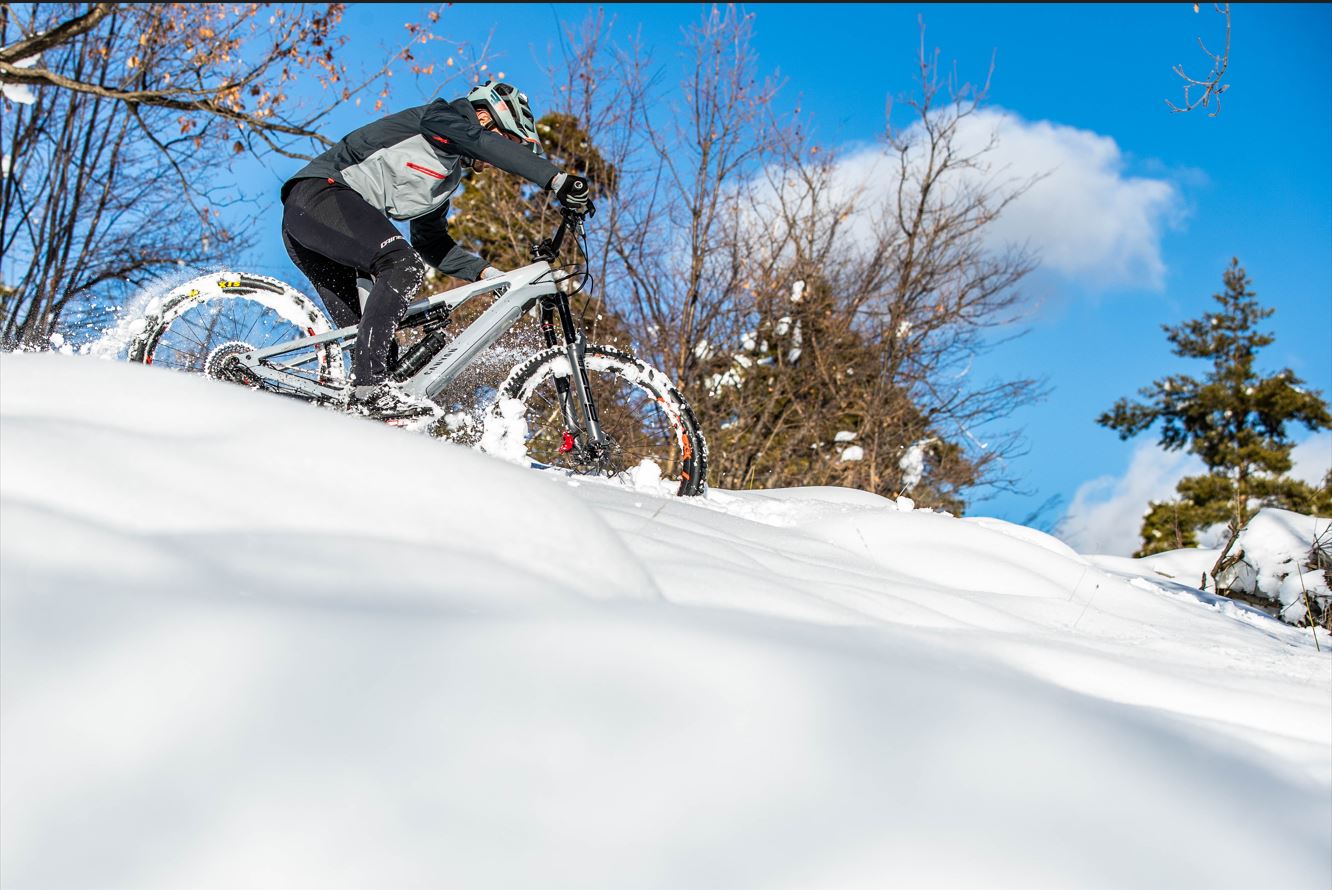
(517, 293)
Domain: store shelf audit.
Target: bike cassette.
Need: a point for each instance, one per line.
(224, 363)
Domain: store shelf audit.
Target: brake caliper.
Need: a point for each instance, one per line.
(568, 444)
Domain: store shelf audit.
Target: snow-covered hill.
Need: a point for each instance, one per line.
(236, 652)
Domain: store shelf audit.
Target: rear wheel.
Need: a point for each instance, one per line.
(205, 324)
(650, 429)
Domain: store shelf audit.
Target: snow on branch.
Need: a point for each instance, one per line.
(1211, 86)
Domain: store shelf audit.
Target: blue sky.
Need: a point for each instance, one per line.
(1181, 193)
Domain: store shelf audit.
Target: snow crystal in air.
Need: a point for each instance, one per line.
(505, 433)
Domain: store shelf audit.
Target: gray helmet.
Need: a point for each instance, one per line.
(509, 109)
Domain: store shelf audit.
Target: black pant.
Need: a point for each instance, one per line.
(333, 236)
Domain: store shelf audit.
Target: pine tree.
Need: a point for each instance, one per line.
(778, 401)
(500, 216)
(1234, 419)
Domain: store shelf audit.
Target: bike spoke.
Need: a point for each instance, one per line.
(190, 327)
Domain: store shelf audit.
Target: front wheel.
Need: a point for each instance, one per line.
(650, 430)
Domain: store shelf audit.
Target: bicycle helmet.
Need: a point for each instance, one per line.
(509, 110)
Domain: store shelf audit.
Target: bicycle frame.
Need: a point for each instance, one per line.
(517, 293)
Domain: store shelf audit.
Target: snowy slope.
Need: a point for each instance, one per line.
(229, 657)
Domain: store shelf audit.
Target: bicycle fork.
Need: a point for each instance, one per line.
(584, 436)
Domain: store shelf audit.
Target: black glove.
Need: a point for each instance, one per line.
(574, 192)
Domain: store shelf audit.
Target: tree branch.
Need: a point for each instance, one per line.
(1212, 86)
(39, 43)
(155, 98)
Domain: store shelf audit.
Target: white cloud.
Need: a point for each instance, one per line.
(1313, 458)
(1087, 219)
(1106, 513)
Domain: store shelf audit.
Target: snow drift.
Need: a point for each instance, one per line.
(231, 654)
(1283, 557)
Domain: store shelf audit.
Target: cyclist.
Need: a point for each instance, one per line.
(406, 166)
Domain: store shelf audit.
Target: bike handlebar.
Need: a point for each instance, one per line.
(549, 248)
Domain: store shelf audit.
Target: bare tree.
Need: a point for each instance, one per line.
(119, 118)
(599, 86)
(861, 311)
(87, 202)
(208, 61)
(1211, 85)
(674, 241)
(788, 306)
(824, 331)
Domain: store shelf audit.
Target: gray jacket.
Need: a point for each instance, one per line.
(407, 165)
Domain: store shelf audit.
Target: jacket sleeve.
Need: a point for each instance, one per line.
(431, 239)
(443, 123)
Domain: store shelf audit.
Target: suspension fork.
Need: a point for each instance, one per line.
(579, 395)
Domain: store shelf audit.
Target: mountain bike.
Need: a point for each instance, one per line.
(585, 408)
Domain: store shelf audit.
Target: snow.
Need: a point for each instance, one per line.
(1274, 551)
(130, 322)
(20, 93)
(912, 464)
(1187, 565)
(233, 656)
(505, 430)
(853, 453)
(646, 476)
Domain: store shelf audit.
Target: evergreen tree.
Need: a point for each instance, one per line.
(500, 216)
(1234, 419)
(778, 401)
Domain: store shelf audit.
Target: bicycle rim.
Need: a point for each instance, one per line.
(650, 429)
(214, 314)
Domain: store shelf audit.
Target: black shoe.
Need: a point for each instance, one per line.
(388, 403)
